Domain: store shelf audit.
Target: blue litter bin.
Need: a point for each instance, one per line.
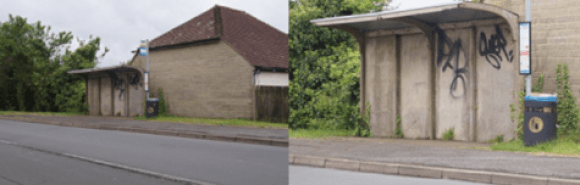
(152, 107)
(540, 118)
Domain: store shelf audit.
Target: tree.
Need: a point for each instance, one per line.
(33, 66)
(324, 65)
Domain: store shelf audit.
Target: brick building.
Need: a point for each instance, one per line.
(224, 63)
(555, 38)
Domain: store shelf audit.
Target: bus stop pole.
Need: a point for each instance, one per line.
(147, 69)
(529, 76)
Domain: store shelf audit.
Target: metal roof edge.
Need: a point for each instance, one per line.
(404, 13)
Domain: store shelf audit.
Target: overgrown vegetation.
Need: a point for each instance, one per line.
(398, 130)
(41, 113)
(568, 138)
(222, 122)
(568, 115)
(317, 134)
(562, 145)
(34, 64)
(496, 139)
(449, 134)
(325, 67)
(162, 103)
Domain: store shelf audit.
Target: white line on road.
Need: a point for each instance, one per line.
(114, 165)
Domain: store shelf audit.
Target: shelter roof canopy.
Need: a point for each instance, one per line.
(437, 14)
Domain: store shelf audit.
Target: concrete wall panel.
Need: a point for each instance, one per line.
(136, 98)
(452, 84)
(120, 99)
(106, 106)
(93, 96)
(415, 86)
(381, 84)
(495, 81)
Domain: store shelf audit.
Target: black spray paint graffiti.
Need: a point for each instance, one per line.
(451, 60)
(492, 48)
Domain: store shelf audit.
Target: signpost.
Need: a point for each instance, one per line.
(525, 48)
(144, 51)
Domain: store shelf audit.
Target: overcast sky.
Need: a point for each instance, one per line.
(121, 24)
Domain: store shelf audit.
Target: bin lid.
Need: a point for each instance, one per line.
(542, 97)
(153, 99)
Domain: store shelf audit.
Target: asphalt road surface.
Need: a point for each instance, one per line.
(37, 153)
(300, 175)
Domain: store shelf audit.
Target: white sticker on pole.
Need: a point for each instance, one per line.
(525, 48)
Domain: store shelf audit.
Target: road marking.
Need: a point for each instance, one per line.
(114, 165)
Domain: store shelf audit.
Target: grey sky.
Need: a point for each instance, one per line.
(405, 4)
(121, 24)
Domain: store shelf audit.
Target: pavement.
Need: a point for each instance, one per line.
(434, 159)
(263, 136)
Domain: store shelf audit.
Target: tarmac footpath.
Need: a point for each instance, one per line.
(262, 136)
(435, 159)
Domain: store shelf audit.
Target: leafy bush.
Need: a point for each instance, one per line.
(162, 103)
(34, 65)
(449, 134)
(325, 67)
(568, 115)
(363, 129)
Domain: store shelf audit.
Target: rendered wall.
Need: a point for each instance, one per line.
(106, 95)
(475, 79)
(496, 70)
(127, 100)
(136, 98)
(381, 76)
(120, 99)
(205, 80)
(93, 95)
(415, 86)
(453, 82)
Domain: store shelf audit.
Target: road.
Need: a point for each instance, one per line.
(29, 149)
(300, 175)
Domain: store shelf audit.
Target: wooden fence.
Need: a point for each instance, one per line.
(272, 104)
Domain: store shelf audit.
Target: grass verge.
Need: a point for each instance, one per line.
(41, 113)
(303, 133)
(223, 122)
(561, 145)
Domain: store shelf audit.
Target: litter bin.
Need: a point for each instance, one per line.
(152, 107)
(540, 118)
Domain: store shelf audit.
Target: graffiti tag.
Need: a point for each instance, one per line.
(494, 47)
(451, 60)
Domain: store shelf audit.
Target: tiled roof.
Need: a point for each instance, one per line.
(259, 43)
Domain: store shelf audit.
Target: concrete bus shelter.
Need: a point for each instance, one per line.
(114, 91)
(448, 66)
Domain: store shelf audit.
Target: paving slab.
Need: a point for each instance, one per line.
(379, 155)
